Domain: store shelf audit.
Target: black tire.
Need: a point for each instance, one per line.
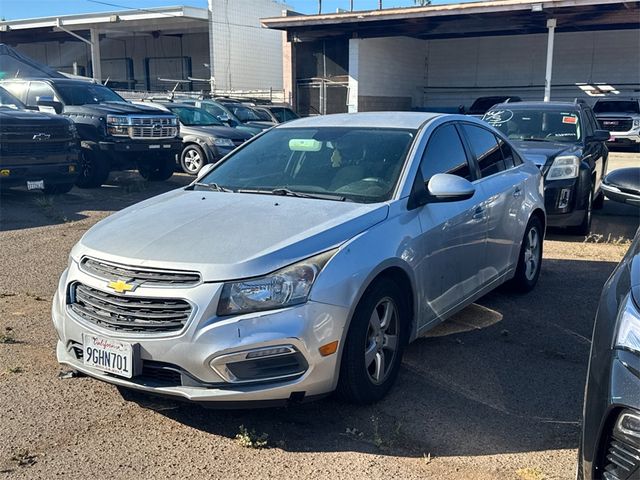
(156, 170)
(192, 159)
(598, 202)
(356, 383)
(93, 169)
(530, 258)
(585, 225)
(57, 188)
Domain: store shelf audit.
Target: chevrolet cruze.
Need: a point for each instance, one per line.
(304, 261)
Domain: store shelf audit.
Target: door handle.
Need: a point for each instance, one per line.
(517, 192)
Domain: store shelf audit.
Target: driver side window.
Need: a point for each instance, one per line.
(445, 154)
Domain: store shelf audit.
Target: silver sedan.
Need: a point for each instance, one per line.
(304, 261)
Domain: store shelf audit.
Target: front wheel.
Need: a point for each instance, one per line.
(374, 344)
(585, 225)
(93, 169)
(192, 159)
(530, 258)
(156, 170)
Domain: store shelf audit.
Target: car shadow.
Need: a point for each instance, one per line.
(20, 209)
(505, 375)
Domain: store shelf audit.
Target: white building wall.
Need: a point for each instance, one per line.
(451, 72)
(247, 56)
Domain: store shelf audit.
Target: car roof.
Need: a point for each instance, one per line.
(412, 120)
(70, 81)
(540, 105)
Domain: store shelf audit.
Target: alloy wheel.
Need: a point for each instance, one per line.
(381, 340)
(192, 160)
(532, 253)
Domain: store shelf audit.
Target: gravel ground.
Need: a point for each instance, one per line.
(495, 392)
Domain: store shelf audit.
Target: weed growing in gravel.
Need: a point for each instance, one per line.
(46, 203)
(609, 239)
(7, 336)
(426, 458)
(135, 187)
(25, 459)
(377, 438)
(15, 370)
(43, 201)
(250, 439)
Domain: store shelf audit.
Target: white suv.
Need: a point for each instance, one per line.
(621, 117)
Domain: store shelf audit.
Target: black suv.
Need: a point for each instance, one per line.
(37, 150)
(564, 140)
(115, 134)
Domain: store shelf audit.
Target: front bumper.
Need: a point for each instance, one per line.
(52, 173)
(630, 137)
(564, 202)
(206, 338)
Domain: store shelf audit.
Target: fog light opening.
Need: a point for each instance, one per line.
(328, 349)
(565, 194)
(629, 424)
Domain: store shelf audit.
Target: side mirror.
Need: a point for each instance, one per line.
(600, 136)
(204, 171)
(47, 104)
(443, 187)
(224, 118)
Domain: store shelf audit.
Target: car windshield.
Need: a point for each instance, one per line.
(89, 93)
(245, 114)
(193, 116)
(530, 124)
(9, 101)
(356, 164)
(263, 114)
(283, 114)
(616, 106)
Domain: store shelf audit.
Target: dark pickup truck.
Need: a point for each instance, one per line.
(37, 150)
(114, 134)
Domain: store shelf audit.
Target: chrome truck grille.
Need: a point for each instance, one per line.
(152, 127)
(128, 313)
(138, 275)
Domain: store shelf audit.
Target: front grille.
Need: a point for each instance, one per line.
(616, 124)
(159, 374)
(32, 148)
(153, 132)
(150, 121)
(138, 275)
(623, 461)
(127, 313)
(26, 132)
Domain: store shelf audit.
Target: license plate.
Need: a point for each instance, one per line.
(35, 185)
(108, 355)
(154, 146)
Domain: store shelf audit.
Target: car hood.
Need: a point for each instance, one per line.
(225, 235)
(543, 153)
(214, 131)
(117, 108)
(9, 116)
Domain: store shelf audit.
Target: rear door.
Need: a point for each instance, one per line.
(453, 233)
(502, 187)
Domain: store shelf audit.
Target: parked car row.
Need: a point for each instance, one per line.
(113, 134)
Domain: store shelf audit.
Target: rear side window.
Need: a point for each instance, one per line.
(485, 148)
(37, 90)
(510, 159)
(445, 154)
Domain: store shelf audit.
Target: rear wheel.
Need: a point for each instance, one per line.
(530, 259)
(374, 344)
(156, 170)
(192, 159)
(93, 169)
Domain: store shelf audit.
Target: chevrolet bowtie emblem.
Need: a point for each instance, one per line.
(121, 286)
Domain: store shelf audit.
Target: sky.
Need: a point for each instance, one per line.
(17, 9)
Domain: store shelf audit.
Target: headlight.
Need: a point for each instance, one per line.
(223, 142)
(117, 125)
(286, 287)
(564, 168)
(636, 122)
(628, 336)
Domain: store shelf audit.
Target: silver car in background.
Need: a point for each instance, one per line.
(303, 262)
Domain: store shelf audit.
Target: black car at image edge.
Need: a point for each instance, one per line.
(610, 443)
(38, 151)
(565, 141)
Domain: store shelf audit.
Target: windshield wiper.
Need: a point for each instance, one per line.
(285, 192)
(211, 186)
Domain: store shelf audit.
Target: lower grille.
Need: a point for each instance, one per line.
(616, 124)
(127, 313)
(32, 148)
(623, 461)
